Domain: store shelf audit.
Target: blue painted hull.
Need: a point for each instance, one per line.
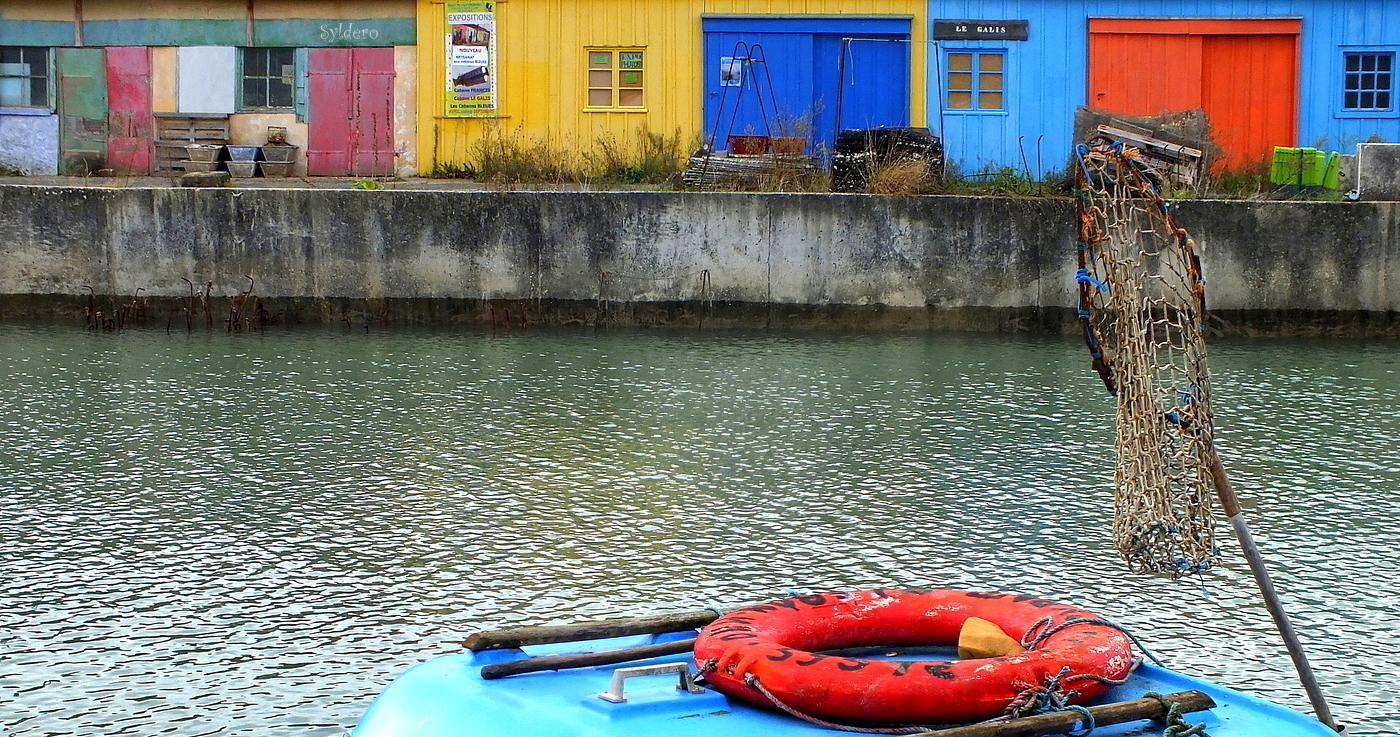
(446, 697)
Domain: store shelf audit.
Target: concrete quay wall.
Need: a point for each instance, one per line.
(670, 258)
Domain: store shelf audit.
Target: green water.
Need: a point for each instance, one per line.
(252, 534)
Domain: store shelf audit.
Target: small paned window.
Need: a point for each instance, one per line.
(269, 79)
(976, 80)
(24, 76)
(616, 79)
(1369, 85)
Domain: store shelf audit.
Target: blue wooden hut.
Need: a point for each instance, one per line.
(1006, 76)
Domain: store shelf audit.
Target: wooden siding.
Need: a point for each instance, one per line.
(1048, 75)
(1243, 73)
(541, 80)
(301, 23)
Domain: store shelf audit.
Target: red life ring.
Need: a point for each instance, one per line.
(772, 646)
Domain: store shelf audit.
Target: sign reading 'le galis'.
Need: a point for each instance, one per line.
(945, 29)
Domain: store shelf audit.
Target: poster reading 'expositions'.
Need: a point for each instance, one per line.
(471, 59)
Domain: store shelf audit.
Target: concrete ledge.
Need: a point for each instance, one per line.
(168, 313)
(787, 261)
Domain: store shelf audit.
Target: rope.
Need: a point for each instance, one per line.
(1031, 642)
(1088, 722)
(1053, 697)
(1177, 726)
(754, 683)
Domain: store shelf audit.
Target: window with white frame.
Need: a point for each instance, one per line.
(24, 76)
(975, 80)
(1369, 81)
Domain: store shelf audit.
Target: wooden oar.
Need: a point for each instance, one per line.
(596, 630)
(585, 660)
(1063, 721)
(1230, 503)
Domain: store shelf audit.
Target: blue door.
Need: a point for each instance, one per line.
(804, 77)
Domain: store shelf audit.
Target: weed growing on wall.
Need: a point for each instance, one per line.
(652, 158)
(901, 177)
(450, 170)
(509, 157)
(513, 158)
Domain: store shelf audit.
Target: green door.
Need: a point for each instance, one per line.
(82, 110)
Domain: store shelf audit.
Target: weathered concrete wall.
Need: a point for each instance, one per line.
(1378, 171)
(29, 143)
(912, 261)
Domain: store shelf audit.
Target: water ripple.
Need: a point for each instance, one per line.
(248, 535)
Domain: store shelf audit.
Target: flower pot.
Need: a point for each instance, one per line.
(203, 152)
(789, 145)
(193, 165)
(275, 169)
(748, 145)
(279, 153)
(241, 169)
(242, 153)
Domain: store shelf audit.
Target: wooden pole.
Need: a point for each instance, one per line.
(596, 630)
(1058, 722)
(1231, 504)
(585, 660)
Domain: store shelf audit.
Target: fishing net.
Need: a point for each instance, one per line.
(1142, 305)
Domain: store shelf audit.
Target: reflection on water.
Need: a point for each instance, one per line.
(250, 535)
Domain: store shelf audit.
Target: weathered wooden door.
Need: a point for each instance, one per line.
(350, 112)
(82, 110)
(1242, 72)
(1250, 90)
(130, 129)
(804, 82)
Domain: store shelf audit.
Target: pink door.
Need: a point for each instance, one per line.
(350, 112)
(130, 142)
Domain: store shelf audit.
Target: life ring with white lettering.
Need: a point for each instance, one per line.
(769, 655)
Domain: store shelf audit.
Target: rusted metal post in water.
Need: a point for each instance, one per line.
(189, 307)
(91, 307)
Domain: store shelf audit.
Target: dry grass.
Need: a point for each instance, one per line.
(512, 158)
(509, 157)
(653, 158)
(900, 177)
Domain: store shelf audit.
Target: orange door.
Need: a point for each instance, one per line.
(1250, 94)
(1129, 73)
(1243, 73)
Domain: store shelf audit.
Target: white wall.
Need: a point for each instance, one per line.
(208, 83)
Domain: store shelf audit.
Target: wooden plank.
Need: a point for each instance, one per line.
(585, 660)
(174, 131)
(1197, 26)
(596, 630)
(1064, 721)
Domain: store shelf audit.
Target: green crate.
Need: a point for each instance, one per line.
(1301, 166)
(1331, 179)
